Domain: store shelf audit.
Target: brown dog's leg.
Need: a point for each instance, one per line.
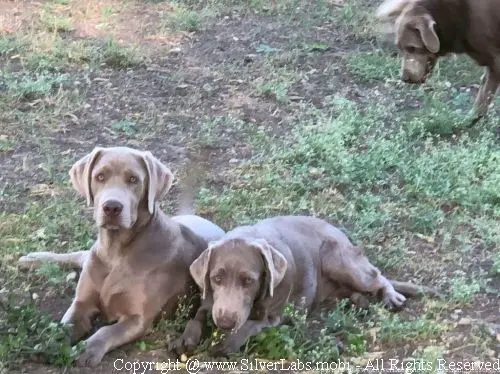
(105, 339)
(487, 91)
(191, 337)
(83, 307)
(349, 265)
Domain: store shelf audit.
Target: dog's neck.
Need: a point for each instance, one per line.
(113, 242)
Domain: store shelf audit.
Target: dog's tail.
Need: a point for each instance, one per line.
(68, 260)
(189, 185)
(410, 289)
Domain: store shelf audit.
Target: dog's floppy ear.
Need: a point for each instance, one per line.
(81, 174)
(425, 25)
(391, 8)
(199, 270)
(160, 179)
(276, 263)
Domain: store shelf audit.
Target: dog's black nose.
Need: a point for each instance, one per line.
(112, 208)
(226, 322)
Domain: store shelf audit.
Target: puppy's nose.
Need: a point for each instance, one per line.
(226, 322)
(112, 208)
(405, 77)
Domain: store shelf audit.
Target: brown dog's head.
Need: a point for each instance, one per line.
(120, 182)
(237, 273)
(416, 38)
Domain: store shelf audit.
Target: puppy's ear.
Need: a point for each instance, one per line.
(160, 179)
(276, 263)
(199, 270)
(81, 174)
(391, 8)
(425, 25)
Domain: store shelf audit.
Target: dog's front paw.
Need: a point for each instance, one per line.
(393, 299)
(92, 355)
(190, 339)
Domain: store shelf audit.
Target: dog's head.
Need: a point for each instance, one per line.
(416, 38)
(121, 183)
(237, 273)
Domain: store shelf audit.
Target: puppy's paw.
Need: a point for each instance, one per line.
(91, 356)
(393, 299)
(190, 339)
(220, 350)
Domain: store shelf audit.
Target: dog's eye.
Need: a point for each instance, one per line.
(411, 49)
(100, 177)
(246, 281)
(217, 279)
(133, 180)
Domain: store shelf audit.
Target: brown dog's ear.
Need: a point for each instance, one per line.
(425, 25)
(81, 174)
(199, 270)
(160, 179)
(391, 8)
(275, 262)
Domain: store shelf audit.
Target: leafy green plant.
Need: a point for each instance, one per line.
(301, 338)
(31, 87)
(462, 289)
(28, 333)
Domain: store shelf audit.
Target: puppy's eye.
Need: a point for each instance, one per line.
(217, 279)
(411, 49)
(246, 281)
(133, 180)
(100, 177)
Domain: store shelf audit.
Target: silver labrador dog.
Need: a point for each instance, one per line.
(139, 264)
(249, 276)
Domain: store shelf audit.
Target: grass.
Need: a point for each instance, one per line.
(27, 332)
(324, 128)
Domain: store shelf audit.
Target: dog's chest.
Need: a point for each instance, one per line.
(120, 289)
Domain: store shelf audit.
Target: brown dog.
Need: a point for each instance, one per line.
(140, 262)
(429, 29)
(249, 276)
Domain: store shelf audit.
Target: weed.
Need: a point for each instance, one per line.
(394, 331)
(462, 289)
(116, 56)
(182, 18)
(24, 87)
(127, 127)
(373, 66)
(52, 272)
(28, 333)
(183, 313)
(6, 145)
(304, 340)
(495, 268)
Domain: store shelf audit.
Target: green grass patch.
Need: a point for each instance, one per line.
(183, 18)
(27, 334)
(373, 66)
(30, 87)
(463, 289)
(53, 224)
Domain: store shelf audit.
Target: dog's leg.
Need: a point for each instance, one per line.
(487, 91)
(107, 338)
(349, 265)
(191, 337)
(83, 308)
(35, 259)
(234, 341)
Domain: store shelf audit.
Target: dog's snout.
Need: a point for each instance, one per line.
(112, 208)
(405, 77)
(226, 321)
